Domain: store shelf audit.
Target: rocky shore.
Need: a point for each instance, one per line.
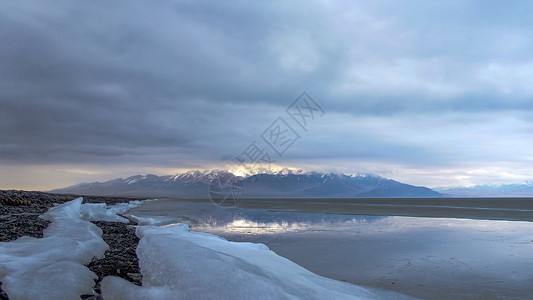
(19, 211)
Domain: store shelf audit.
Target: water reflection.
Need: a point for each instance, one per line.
(275, 223)
(425, 257)
(207, 217)
(253, 221)
(248, 226)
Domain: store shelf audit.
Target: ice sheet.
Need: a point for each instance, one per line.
(179, 264)
(100, 212)
(52, 267)
(175, 263)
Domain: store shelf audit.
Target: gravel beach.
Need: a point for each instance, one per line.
(19, 211)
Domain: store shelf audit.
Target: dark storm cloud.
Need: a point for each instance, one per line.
(106, 78)
(172, 81)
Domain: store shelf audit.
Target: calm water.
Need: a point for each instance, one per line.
(423, 257)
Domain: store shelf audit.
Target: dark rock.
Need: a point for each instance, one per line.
(14, 201)
(135, 278)
(120, 259)
(3, 294)
(94, 297)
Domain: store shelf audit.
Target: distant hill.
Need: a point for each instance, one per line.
(505, 190)
(283, 184)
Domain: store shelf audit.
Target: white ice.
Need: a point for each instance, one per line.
(155, 220)
(179, 264)
(121, 208)
(100, 212)
(52, 267)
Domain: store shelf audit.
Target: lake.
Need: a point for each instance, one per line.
(432, 258)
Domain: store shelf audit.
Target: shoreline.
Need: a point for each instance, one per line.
(116, 244)
(21, 218)
(509, 209)
(501, 208)
(19, 211)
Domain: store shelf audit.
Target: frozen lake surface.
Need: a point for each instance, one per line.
(432, 258)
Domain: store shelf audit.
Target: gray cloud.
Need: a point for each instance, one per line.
(171, 82)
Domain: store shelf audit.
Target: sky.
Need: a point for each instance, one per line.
(432, 93)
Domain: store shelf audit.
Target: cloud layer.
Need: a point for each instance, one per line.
(411, 90)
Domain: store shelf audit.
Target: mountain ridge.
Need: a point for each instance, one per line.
(196, 184)
(524, 189)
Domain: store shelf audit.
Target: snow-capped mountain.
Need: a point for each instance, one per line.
(282, 184)
(506, 190)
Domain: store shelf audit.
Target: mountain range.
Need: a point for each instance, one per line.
(198, 184)
(505, 190)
